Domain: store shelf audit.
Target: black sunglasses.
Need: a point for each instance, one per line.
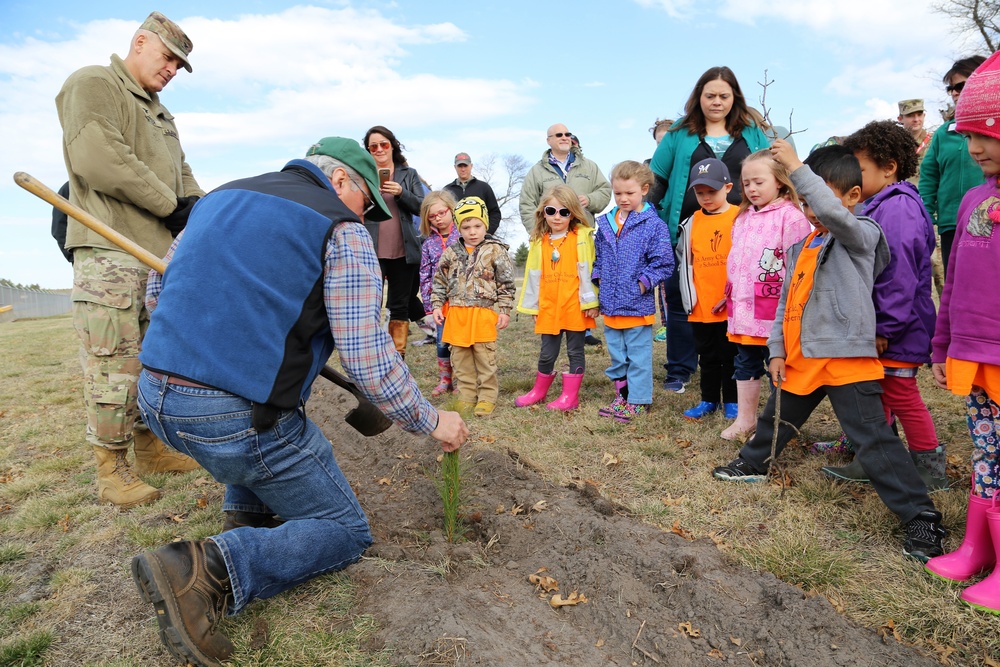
(560, 135)
(551, 210)
(957, 88)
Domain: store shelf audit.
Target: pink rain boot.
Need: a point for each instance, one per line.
(538, 392)
(975, 554)
(748, 396)
(569, 399)
(986, 594)
(444, 386)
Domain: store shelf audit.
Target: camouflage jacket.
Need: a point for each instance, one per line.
(483, 278)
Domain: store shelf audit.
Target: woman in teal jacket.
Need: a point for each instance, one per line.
(716, 124)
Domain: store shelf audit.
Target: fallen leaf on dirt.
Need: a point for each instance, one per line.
(688, 630)
(540, 506)
(682, 443)
(202, 481)
(599, 643)
(889, 628)
(177, 518)
(516, 509)
(64, 523)
(676, 529)
(404, 455)
(987, 661)
(385, 481)
(572, 599)
(670, 501)
(547, 584)
(610, 460)
(488, 439)
(736, 640)
(715, 653)
(202, 502)
(500, 509)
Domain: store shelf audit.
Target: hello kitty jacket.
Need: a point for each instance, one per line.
(755, 269)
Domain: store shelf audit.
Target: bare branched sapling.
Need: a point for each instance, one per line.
(766, 112)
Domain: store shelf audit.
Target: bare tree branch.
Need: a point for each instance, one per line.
(506, 182)
(975, 16)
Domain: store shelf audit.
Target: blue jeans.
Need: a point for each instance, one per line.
(443, 348)
(631, 353)
(751, 361)
(289, 470)
(682, 354)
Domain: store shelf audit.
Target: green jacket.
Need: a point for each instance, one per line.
(672, 163)
(946, 174)
(123, 155)
(585, 253)
(584, 177)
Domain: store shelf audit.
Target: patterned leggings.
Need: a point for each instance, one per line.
(983, 415)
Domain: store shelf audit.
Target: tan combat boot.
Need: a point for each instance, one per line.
(152, 456)
(117, 484)
(400, 331)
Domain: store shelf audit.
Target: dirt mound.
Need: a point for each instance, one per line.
(653, 597)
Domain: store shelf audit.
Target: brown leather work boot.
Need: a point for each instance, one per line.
(152, 456)
(188, 585)
(250, 519)
(117, 483)
(399, 330)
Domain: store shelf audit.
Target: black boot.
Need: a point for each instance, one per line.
(188, 585)
(236, 519)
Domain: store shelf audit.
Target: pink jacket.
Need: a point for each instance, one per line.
(755, 269)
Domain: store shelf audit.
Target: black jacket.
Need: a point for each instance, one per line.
(481, 189)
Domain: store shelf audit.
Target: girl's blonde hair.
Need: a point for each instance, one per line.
(436, 197)
(780, 173)
(634, 171)
(567, 198)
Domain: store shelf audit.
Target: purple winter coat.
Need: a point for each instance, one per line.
(430, 255)
(904, 310)
(641, 253)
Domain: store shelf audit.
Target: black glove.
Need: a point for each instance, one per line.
(177, 220)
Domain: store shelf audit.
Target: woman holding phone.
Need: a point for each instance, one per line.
(397, 243)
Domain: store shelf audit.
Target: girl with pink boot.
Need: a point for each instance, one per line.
(966, 350)
(558, 293)
(437, 227)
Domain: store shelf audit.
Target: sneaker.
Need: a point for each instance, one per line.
(612, 409)
(629, 411)
(841, 445)
(700, 410)
(731, 410)
(591, 339)
(661, 335)
(484, 408)
(738, 471)
(676, 386)
(924, 536)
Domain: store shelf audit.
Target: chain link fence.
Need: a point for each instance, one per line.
(25, 303)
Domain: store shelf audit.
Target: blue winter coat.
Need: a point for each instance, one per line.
(904, 310)
(641, 253)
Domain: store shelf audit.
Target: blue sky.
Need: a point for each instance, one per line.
(270, 78)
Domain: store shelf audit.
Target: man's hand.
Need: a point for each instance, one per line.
(777, 369)
(451, 431)
(503, 319)
(177, 220)
(940, 375)
(784, 152)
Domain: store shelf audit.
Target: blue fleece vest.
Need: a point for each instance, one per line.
(242, 302)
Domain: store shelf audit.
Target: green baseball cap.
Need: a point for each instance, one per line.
(357, 158)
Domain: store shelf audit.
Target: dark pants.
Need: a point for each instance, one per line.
(682, 354)
(574, 350)
(401, 279)
(947, 238)
(882, 455)
(716, 356)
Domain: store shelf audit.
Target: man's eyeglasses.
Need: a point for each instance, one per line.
(375, 145)
(560, 135)
(552, 210)
(371, 202)
(956, 88)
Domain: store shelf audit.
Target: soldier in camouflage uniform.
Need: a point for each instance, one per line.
(126, 168)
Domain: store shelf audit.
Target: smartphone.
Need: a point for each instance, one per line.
(383, 176)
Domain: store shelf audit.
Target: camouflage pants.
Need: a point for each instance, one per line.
(110, 317)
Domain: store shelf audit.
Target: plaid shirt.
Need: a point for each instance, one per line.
(352, 287)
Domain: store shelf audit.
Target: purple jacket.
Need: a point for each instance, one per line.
(430, 255)
(641, 253)
(904, 310)
(969, 318)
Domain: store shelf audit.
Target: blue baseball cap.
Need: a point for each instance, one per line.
(711, 172)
